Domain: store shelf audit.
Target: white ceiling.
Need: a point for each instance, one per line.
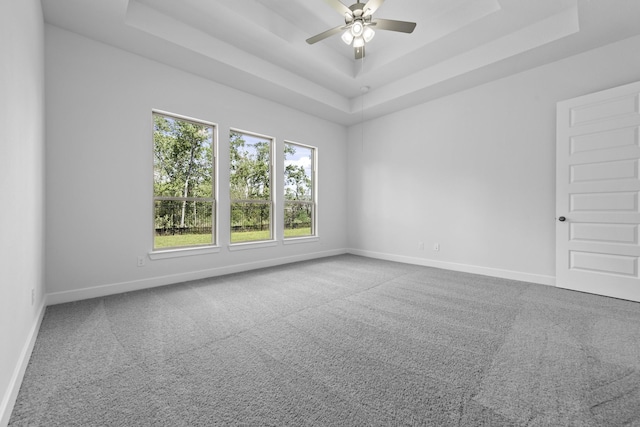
(258, 46)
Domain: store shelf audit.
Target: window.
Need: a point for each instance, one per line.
(183, 182)
(250, 178)
(299, 190)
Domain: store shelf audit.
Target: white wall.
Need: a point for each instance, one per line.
(474, 171)
(99, 168)
(21, 189)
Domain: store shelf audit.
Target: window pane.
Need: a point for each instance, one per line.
(299, 191)
(183, 182)
(250, 187)
(250, 221)
(298, 219)
(183, 223)
(298, 161)
(250, 167)
(183, 158)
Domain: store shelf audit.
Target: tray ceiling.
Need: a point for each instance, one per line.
(258, 46)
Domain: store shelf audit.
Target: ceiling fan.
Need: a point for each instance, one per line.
(359, 24)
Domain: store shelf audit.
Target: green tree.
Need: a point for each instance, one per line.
(298, 187)
(297, 182)
(182, 163)
(250, 180)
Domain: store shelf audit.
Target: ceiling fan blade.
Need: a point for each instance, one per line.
(391, 25)
(337, 5)
(324, 35)
(372, 6)
(359, 51)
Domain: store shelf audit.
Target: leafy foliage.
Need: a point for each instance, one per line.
(183, 185)
(298, 207)
(250, 185)
(182, 158)
(183, 177)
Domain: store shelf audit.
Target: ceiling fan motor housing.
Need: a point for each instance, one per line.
(357, 14)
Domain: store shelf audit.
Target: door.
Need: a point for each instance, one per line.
(597, 192)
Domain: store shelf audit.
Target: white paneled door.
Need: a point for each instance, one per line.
(597, 192)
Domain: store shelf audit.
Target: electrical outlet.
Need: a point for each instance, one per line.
(421, 246)
(140, 261)
(436, 247)
(33, 296)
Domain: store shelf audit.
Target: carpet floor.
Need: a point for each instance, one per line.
(340, 341)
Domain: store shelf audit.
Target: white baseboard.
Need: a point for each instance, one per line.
(136, 285)
(466, 268)
(11, 394)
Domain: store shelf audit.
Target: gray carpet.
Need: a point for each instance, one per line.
(337, 342)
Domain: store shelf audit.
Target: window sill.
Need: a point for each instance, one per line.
(252, 245)
(297, 240)
(182, 252)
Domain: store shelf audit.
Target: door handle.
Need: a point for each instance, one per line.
(562, 219)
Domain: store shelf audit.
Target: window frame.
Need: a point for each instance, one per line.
(271, 203)
(314, 194)
(171, 251)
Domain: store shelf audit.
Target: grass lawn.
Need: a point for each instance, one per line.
(297, 232)
(178, 240)
(248, 236)
(181, 240)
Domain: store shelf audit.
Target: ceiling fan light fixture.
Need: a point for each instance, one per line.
(358, 42)
(347, 37)
(357, 29)
(368, 34)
